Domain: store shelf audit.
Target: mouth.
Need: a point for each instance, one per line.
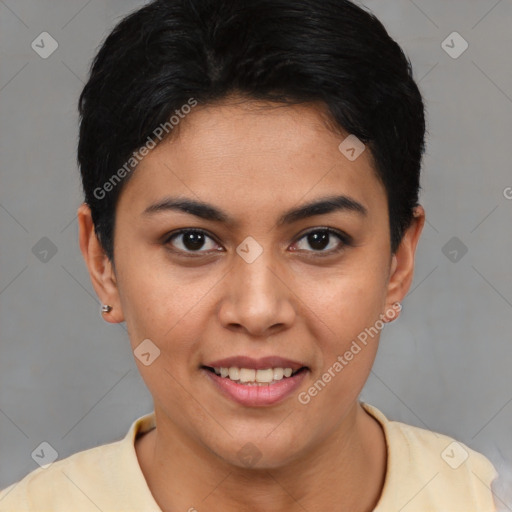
(253, 377)
(252, 382)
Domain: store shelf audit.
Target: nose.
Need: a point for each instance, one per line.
(258, 298)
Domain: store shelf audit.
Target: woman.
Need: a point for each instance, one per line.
(251, 176)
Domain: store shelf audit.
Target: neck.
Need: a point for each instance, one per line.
(345, 472)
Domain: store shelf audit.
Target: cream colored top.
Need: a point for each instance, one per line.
(426, 472)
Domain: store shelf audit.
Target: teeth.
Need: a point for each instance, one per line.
(265, 375)
(249, 375)
(278, 373)
(246, 375)
(234, 373)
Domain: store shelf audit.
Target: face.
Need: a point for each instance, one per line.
(255, 280)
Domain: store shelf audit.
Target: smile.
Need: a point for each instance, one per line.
(250, 376)
(255, 382)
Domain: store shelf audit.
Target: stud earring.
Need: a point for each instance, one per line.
(105, 308)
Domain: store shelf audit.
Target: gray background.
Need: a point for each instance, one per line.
(69, 378)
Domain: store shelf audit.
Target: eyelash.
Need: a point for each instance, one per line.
(345, 239)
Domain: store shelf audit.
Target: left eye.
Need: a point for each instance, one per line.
(319, 239)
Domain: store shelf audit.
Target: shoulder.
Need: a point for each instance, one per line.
(107, 477)
(432, 471)
(73, 480)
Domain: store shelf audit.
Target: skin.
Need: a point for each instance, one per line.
(255, 164)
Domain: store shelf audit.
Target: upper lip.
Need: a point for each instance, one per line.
(256, 364)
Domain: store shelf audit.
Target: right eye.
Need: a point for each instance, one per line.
(190, 241)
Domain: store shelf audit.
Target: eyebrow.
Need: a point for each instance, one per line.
(207, 211)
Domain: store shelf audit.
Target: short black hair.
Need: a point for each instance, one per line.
(169, 52)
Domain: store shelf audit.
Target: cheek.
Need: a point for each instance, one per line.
(165, 309)
(156, 296)
(347, 301)
(347, 337)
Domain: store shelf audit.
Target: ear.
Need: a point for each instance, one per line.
(402, 263)
(100, 268)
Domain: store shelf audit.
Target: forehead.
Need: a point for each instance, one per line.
(253, 155)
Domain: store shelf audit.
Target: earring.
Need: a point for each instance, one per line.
(105, 308)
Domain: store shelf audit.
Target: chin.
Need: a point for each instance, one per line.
(259, 453)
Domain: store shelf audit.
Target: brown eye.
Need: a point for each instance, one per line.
(191, 240)
(320, 239)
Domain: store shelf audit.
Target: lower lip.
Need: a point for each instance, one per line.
(257, 395)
